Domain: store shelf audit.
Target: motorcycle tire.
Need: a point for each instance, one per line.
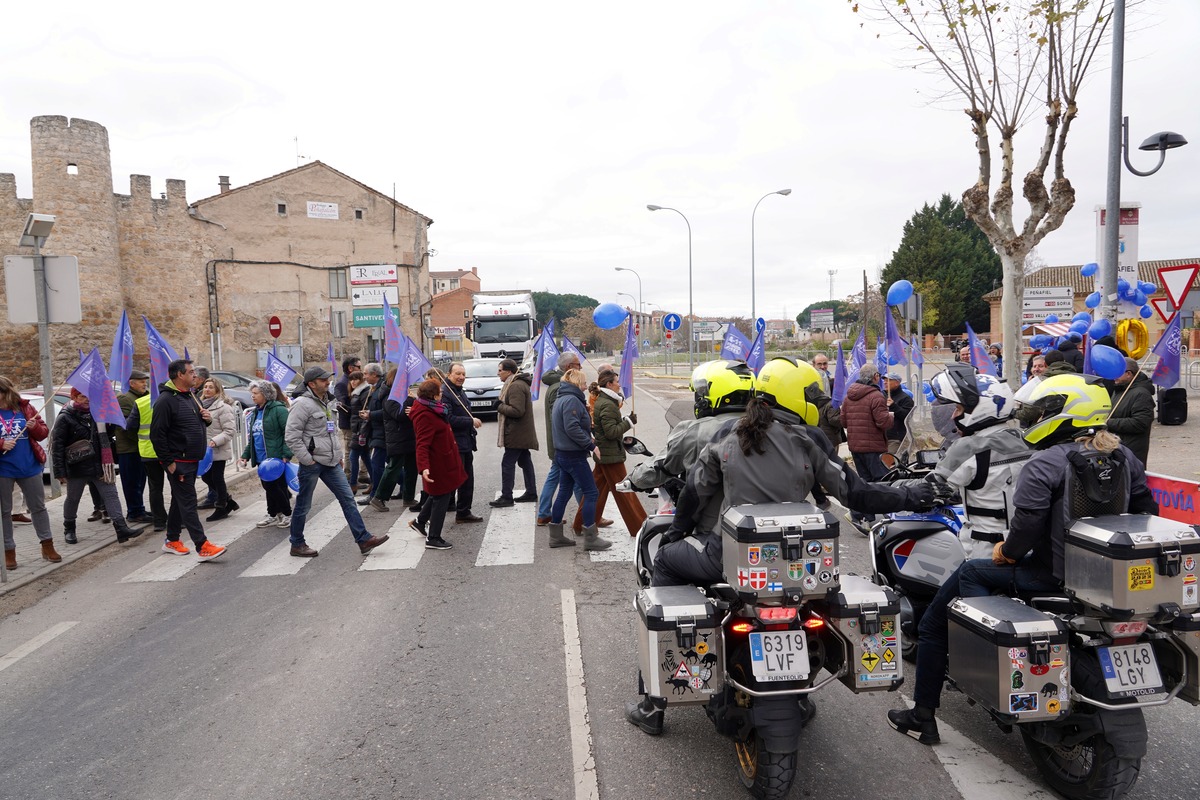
(767, 775)
(1087, 771)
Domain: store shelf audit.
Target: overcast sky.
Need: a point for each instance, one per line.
(535, 133)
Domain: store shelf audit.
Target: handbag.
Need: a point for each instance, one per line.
(78, 452)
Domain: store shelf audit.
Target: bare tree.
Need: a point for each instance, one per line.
(1016, 63)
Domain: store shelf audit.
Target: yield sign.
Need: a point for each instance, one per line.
(1161, 303)
(1178, 281)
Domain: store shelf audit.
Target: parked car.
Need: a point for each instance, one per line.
(62, 396)
(482, 386)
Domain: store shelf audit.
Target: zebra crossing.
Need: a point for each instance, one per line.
(510, 538)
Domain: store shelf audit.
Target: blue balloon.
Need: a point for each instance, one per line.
(1147, 288)
(205, 462)
(929, 395)
(879, 355)
(899, 292)
(1082, 316)
(1139, 298)
(1100, 328)
(608, 316)
(1079, 326)
(1146, 312)
(1089, 270)
(1075, 336)
(292, 470)
(1092, 300)
(1122, 286)
(269, 469)
(1108, 362)
(1051, 318)
(1038, 341)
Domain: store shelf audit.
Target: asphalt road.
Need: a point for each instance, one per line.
(447, 677)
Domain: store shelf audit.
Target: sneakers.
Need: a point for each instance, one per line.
(646, 715)
(208, 551)
(910, 723)
(368, 545)
(438, 544)
(268, 521)
(362, 501)
(417, 526)
(378, 504)
(175, 548)
(283, 522)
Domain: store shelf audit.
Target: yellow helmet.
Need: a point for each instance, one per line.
(722, 387)
(1069, 405)
(782, 382)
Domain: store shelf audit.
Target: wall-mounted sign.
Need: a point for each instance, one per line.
(373, 273)
(372, 317)
(318, 210)
(373, 295)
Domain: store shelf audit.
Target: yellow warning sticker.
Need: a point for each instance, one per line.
(869, 660)
(1141, 577)
(1052, 706)
(889, 656)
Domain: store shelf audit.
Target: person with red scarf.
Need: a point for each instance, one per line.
(438, 462)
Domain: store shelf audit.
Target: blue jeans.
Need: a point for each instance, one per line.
(575, 472)
(375, 465)
(546, 498)
(335, 478)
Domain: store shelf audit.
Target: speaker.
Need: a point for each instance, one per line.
(1172, 406)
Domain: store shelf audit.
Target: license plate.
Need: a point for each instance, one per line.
(779, 656)
(480, 403)
(1130, 670)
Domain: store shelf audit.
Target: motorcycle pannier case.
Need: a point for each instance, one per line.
(780, 552)
(679, 645)
(1013, 659)
(1133, 565)
(1185, 633)
(864, 617)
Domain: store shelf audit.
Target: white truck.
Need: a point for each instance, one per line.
(503, 324)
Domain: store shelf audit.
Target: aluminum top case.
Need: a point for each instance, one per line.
(865, 618)
(679, 645)
(1131, 565)
(776, 553)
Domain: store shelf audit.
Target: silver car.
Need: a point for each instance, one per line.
(482, 386)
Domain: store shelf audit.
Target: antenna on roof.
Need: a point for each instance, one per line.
(296, 139)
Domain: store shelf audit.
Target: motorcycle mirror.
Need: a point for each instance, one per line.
(634, 446)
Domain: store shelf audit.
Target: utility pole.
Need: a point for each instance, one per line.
(832, 272)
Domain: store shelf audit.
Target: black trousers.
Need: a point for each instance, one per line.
(215, 480)
(513, 458)
(182, 513)
(155, 477)
(279, 497)
(466, 492)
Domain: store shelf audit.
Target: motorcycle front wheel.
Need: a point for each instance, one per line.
(767, 775)
(1089, 770)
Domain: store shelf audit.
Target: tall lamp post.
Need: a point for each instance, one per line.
(639, 277)
(691, 336)
(1118, 149)
(37, 229)
(753, 314)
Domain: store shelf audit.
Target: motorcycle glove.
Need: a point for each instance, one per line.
(673, 534)
(920, 496)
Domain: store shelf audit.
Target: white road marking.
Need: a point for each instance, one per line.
(623, 548)
(171, 568)
(319, 530)
(402, 551)
(8, 659)
(509, 537)
(583, 760)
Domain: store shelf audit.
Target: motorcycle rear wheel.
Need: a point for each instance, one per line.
(1089, 770)
(767, 775)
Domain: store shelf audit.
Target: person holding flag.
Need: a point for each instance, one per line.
(1132, 413)
(397, 428)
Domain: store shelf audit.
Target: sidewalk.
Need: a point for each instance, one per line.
(92, 536)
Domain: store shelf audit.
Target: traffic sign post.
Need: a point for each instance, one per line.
(1177, 281)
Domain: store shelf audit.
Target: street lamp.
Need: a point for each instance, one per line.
(691, 337)
(753, 315)
(639, 277)
(37, 230)
(631, 297)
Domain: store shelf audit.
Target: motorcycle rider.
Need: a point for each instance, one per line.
(1079, 469)
(774, 453)
(984, 464)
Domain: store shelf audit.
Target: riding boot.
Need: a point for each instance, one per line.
(233, 506)
(592, 540)
(556, 536)
(69, 532)
(221, 512)
(125, 532)
(49, 553)
(647, 715)
(10, 559)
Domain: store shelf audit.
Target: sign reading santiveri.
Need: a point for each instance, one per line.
(372, 317)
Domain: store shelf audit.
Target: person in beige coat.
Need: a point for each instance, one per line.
(220, 438)
(517, 434)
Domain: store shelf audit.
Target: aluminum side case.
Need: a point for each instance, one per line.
(1013, 659)
(780, 553)
(679, 646)
(865, 617)
(1131, 565)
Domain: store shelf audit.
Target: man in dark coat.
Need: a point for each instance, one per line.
(466, 428)
(1133, 410)
(1072, 354)
(900, 404)
(516, 434)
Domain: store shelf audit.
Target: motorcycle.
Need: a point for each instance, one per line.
(751, 648)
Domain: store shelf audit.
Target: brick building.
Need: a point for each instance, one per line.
(209, 274)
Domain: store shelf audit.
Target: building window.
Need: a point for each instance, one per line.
(281, 209)
(72, 169)
(337, 284)
(358, 213)
(466, 313)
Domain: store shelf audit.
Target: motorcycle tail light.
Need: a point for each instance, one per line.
(776, 614)
(742, 626)
(1132, 628)
(814, 623)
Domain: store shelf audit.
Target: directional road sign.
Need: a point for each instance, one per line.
(672, 321)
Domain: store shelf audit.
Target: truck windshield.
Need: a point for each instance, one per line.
(503, 330)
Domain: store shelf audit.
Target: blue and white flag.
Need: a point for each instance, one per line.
(277, 371)
(1087, 356)
(120, 363)
(758, 353)
(858, 353)
(410, 368)
(735, 346)
(841, 378)
(979, 355)
(569, 347)
(625, 375)
(393, 339)
(1166, 371)
(894, 344)
(90, 379)
(547, 357)
(161, 355)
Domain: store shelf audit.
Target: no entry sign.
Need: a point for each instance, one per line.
(275, 326)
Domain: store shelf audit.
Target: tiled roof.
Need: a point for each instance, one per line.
(1083, 286)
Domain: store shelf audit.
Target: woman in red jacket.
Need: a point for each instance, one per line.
(438, 462)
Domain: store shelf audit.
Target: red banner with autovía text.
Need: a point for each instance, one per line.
(1177, 499)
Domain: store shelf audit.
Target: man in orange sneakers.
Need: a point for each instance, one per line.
(178, 433)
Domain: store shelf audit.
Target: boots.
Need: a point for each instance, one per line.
(233, 506)
(10, 559)
(125, 532)
(556, 536)
(221, 512)
(592, 540)
(69, 532)
(49, 553)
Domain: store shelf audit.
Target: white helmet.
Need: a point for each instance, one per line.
(985, 400)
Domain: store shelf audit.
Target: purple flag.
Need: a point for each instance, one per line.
(120, 363)
(186, 357)
(1166, 371)
(332, 360)
(377, 351)
(735, 347)
(758, 352)
(90, 379)
(161, 355)
(858, 353)
(569, 347)
(547, 357)
(392, 338)
(625, 376)
(277, 371)
(410, 368)
(841, 378)
(894, 343)
(1087, 356)
(979, 356)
